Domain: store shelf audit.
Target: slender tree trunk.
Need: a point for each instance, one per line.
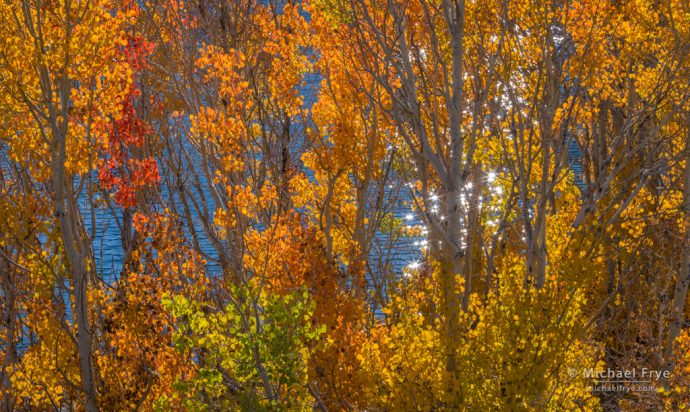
(473, 235)
(10, 320)
(67, 214)
(56, 91)
(452, 267)
(681, 292)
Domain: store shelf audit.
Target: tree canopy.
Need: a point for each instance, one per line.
(344, 205)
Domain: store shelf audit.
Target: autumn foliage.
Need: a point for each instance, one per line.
(356, 205)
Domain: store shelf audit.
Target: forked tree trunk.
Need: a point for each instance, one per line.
(67, 214)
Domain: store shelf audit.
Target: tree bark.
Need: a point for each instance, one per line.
(10, 320)
(68, 214)
(683, 280)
